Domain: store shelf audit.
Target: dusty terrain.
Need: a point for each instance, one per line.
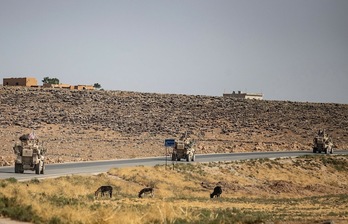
(98, 125)
(310, 189)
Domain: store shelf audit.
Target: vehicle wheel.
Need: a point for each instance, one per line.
(43, 168)
(16, 168)
(21, 169)
(315, 150)
(326, 150)
(178, 158)
(331, 151)
(188, 158)
(38, 168)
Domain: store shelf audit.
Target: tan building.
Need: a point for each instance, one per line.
(240, 95)
(68, 86)
(26, 81)
(81, 87)
(32, 82)
(60, 86)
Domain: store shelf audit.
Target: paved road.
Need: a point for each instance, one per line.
(55, 170)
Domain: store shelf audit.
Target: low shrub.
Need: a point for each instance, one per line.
(9, 207)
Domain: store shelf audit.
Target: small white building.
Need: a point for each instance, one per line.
(241, 95)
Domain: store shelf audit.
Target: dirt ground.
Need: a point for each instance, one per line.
(309, 189)
(100, 125)
(67, 143)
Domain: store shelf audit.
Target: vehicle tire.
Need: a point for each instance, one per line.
(178, 158)
(42, 168)
(326, 150)
(188, 157)
(37, 168)
(21, 169)
(315, 150)
(16, 168)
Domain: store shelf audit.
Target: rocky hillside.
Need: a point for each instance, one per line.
(89, 125)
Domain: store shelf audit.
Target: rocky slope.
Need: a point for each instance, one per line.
(91, 125)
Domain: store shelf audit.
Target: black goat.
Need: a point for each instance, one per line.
(217, 192)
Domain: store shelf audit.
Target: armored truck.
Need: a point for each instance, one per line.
(30, 155)
(322, 143)
(183, 149)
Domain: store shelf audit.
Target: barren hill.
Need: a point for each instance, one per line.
(91, 125)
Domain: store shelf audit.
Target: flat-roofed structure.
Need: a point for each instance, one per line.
(32, 82)
(241, 95)
(68, 86)
(60, 86)
(82, 87)
(24, 81)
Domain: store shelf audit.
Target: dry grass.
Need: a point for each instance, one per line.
(302, 190)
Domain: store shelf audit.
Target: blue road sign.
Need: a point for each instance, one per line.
(169, 142)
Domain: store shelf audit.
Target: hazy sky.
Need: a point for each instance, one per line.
(287, 49)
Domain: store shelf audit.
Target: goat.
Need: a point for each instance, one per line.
(146, 190)
(217, 192)
(102, 190)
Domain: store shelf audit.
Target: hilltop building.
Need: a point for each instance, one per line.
(68, 86)
(60, 86)
(241, 95)
(81, 87)
(32, 82)
(25, 81)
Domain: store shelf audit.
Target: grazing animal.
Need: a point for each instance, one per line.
(217, 192)
(102, 190)
(146, 190)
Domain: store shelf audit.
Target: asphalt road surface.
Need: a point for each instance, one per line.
(94, 167)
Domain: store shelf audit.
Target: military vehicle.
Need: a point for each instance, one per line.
(183, 149)
(30, 155)
(322, 143)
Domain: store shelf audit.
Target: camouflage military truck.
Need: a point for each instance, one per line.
(322, 143)
(183, 149)
(30, 155)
